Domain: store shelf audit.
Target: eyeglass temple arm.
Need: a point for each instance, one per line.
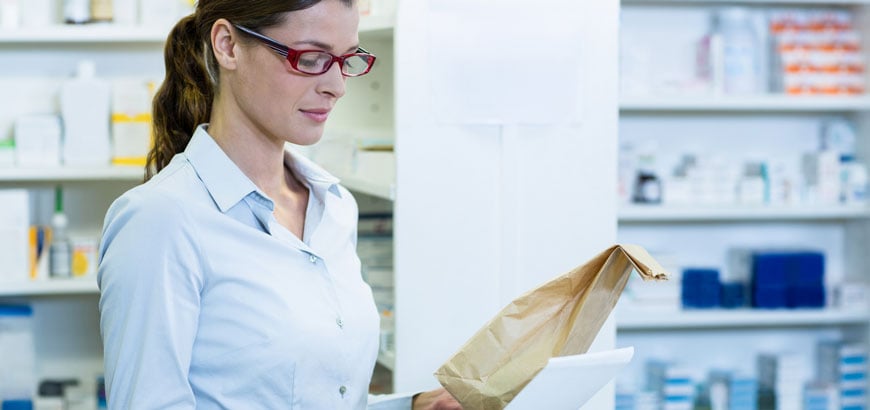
(275, 46)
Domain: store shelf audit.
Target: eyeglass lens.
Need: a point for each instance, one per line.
(314, 62)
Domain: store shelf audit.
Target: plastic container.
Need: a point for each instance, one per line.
(741, 65)
(76, 11)
(18, 378)
(60, 250)
(85, 108)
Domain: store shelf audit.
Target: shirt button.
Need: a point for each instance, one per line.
(342, 390)
(312, 258)
(339, 322)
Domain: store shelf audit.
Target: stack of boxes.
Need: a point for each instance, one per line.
(783, 375)
(788, 280)
(843, 367)
(700, 288)
(674, 385)
(742, 393)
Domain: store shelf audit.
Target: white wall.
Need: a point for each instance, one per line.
(486, 210)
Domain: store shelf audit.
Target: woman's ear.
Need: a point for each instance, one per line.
(223, 43)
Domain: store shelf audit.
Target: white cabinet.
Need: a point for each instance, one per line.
(676, 116)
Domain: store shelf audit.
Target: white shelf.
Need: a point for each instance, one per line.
(71, 174)
(92, 33)
(377, 189)
(108, 33)
(705, 319)
(387, 359)
(655, 213)
(766, 103)
(807, 2)
(49, 287)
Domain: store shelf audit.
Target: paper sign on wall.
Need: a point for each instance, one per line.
(505, 62)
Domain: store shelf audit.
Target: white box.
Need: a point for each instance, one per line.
(14, 235)
(37, 141)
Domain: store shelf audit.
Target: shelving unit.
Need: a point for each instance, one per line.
(51, 287)
(92, 33)
(131, 174)
(741, 318)
(651, 214)
(735, 128)
(764, 103)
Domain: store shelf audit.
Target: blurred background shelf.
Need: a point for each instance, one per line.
(766, 103)
(704, 319)
(72, 174)
(49, 287)
(653, 213)
(85, 34)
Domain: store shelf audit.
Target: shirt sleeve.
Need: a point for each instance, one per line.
(398, 401)
(150, 278)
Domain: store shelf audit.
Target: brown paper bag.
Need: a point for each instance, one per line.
(560, 318)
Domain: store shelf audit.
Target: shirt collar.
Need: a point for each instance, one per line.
(228, 185)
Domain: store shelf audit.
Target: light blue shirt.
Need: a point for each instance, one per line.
(207, 302)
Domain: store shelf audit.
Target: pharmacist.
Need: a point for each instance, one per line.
(230, 279)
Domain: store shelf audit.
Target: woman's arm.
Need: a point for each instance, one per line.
(150, 279)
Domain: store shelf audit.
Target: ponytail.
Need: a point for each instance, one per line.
(184, 100)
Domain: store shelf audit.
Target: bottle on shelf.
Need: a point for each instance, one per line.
(85, 108)
(76, 11)
(101, 11)
(647, 185)
(741, 67)
(60, 252)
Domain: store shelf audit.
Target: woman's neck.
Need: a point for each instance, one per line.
(258, 155)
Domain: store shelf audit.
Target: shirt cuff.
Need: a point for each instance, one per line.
(397, 401)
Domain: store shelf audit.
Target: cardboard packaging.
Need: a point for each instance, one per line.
(560, 318)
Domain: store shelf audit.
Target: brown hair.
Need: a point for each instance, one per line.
(185, 98)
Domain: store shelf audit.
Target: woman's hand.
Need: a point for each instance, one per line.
(438, 399)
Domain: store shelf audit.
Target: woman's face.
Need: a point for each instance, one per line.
(284, 104)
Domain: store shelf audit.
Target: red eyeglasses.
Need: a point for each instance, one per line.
(316, 62)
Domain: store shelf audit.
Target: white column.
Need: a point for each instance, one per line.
(502, 182)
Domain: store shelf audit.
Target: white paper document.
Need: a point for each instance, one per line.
(567, 382)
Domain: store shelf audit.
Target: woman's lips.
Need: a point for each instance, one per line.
(318, 115)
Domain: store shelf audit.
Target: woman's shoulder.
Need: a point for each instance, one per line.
(164, 196)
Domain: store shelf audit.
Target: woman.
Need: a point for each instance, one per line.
(230, 279)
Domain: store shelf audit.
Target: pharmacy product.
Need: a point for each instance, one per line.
(741, 68)
(84, 104)
(131, 121)
(83, 260)
(14, 234)
(16, 345)
(101, 11)
(76, 11)
(60, 252)
(37, 140)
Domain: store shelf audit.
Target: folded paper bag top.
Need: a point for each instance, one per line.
(559, 318)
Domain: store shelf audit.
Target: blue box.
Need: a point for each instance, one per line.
(733, 295)
(17, 405)
(807, 268)
(769, 269)
(770, 297)
(803, 296)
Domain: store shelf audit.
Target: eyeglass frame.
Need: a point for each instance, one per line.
(292, 55)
